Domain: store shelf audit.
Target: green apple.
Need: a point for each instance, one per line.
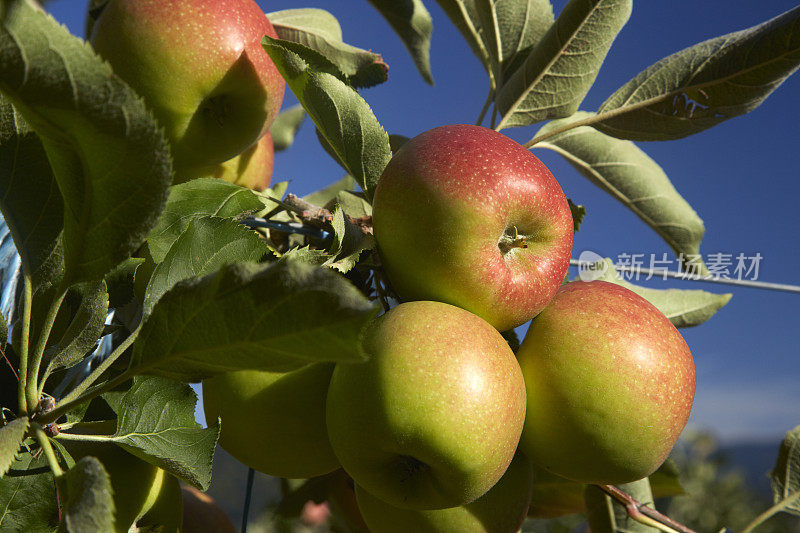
(501, 510)
(144, 495)
(252, 168)
(610, 384)
(200, 67)
(433, 418)
(465, 215)
(274, 422)
(201, 513)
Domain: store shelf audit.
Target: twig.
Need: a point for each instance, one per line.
(637, 510)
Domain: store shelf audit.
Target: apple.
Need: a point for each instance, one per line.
(252, 168)
(200, 67)
(501, 510)
(466, 216)
(433, 418)
(201, 513)
(274, 422)
(610, 384)
(144, 495)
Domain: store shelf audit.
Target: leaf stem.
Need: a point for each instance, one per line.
(644, 513)
(68, 403)
(25, 407)
(83, 438)
(44, 335)
(47, 448)
(778, 507)
(489, 99)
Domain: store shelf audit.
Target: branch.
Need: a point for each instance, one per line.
(641, 512)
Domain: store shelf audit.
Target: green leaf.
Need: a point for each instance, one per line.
(319, 30)
(261, 317)
(684, 308)
(308, 255)
(606, 515)
(85, 327)
(785, 477)
(708, 83)
(578, 214)
(88, 504)
(514, 27)
(665, 481)
(120, 282)
(3, 331)
(465, 16)
(29, 197)
(349, 242)
(343, 118)
(110, 158)
(156, 423)
(28, 496)
(628, 174)
(285, 127)
(323, 196)
(206, 244)
(354, 204)
(412, 22)
(11, 436)
(196, 198)
(561, 69)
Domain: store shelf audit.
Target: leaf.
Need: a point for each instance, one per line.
(3, 331)
(708, 83)
(606, 515)
(285, 127)
(120, 282)
(665, 481)
(11, 436)
(684, 308)
(110, 157)
(319, 30)
(412, 22)
(29, 196)
(93, 11)
(785, 477)
(578, 213)
(28, 496)
(514, 27)
(561, 69)
(354, 204)
(628, 174)
(85, 327)
(343, 118)
(156, 423)
(196, 198)
(89, 502)
(323, 196)
(206, 244)
(259, 317)
(349, 242)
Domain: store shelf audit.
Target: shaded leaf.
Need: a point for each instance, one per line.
(11, 436)
(412, 22)
(665, 481)
(319, 30)
(88, 505)
(785, 477)
(354, 204)
(28, 496)
(561, 69)
(285, 127)
(260, 317)
(206, 244)
(628, 174)
(606, 515)
(120, 282)
(156, 423)
(708, 83)
(196, 198)
(684, 308)
(323, 196)
(342, 117)
(29, 197)
(110, 158)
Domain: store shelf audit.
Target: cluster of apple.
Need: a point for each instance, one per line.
(437, 429)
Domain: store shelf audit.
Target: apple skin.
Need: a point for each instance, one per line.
(610, 384)
(201, 513)
(274, 422)
(433, 418)
(501, 510)
(200, 67)
(443, 205)
(252, 168)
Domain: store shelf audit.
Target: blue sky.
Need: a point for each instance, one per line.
(741, 177)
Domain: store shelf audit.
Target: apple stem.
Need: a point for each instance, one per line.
(643, 513)
(512, 239)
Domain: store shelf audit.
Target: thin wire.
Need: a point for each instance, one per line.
(691, 277)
